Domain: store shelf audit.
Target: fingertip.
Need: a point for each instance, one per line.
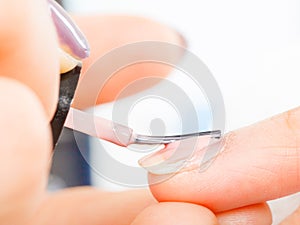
(168, 188)
(170, 213)
(253, 159)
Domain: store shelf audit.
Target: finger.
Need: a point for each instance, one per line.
(292, 219)
(258, 214)
(255, 164)
(185, 213)
(170, 213)
(28, 49)
(92, 207)
(24, 151)
(106, 33)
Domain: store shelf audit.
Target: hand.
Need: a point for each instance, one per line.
(256, 164)
(29, 82)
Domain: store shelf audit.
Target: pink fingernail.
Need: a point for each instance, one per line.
(71, 38)
(163, 162)
(182, 156)
(157, 157)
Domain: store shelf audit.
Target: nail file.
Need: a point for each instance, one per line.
(68, 84)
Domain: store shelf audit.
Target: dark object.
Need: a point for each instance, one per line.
(68, 162)
(68, 84)
(60, 2)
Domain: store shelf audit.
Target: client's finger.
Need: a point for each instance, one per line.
(24, 151)
(28, 48)
(255, 164)
(92, 207)
(106, 33)
(171, 213)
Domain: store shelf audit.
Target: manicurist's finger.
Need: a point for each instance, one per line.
(28, 48)
(24, 151)
(106, 33)
(92, 207)
(184, 213)
(258, 214)
(254, 164)
(171, 213)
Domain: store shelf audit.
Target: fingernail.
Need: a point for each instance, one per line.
(185, 156)
(71, 38)
(161, 162)
(213, 151)
(210, 155)
(174, 157)
(67, 62)
(157, 157)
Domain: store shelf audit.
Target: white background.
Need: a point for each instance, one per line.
(251, 47)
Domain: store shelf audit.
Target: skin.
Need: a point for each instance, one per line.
(25, 147)
(29, 35)
(106, 33)
(262, 160)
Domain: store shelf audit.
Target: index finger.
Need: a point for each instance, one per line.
(257, 163)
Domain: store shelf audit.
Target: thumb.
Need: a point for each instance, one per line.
(28, 49)
(256, 164)
(169, 213)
